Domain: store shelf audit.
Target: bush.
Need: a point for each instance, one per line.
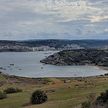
(86, 105)
(2, 95)
(38, 97)
(12, 90)
(103, 98)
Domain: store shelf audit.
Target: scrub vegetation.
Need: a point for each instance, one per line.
(60, 92)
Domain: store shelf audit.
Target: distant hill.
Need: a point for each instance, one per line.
(28, 45)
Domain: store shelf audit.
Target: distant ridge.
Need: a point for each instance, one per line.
(27, 45)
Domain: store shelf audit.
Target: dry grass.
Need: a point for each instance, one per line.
(62, 92)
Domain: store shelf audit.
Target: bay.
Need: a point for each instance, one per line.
(27, 64)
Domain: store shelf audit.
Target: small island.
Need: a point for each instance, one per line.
(97, 57)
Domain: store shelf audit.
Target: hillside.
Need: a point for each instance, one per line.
(62, 92)
(34, 45)
(78, 57)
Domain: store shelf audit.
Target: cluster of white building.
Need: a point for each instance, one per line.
(41, 48)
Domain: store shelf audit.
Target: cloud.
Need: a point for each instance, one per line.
(25, 19)
(98, 18)
(106, 30)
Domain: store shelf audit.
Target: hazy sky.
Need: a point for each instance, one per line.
(53, 19)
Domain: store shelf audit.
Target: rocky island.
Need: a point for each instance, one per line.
(96, 57)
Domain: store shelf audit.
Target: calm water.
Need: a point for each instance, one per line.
(28, 64)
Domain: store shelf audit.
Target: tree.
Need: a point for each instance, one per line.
(2, 95)
(12, 90)
(38, 97)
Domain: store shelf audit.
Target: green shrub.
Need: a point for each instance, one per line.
(2, 95)
(12, 90)
(86, 104)
(38, 97)
(103, 98)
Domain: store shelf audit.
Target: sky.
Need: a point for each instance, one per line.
(53, 19)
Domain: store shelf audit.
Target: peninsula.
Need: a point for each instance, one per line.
(96, 57)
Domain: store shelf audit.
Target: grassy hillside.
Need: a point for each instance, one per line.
(62, 92)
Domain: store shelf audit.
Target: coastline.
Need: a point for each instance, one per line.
(22, 80)
(103, 67)
(26, 78)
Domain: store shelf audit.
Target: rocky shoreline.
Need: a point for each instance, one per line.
(94, 57)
